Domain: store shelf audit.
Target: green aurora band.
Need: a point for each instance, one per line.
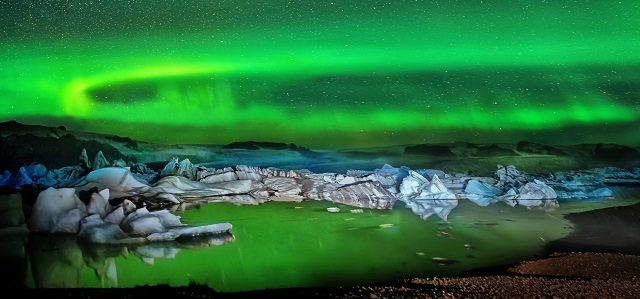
(326, 75)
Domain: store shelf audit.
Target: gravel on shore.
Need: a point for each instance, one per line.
(561, 275)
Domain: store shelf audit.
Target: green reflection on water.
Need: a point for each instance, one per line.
(279, 245)
(301, 244)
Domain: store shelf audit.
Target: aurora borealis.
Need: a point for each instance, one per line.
(326, 74)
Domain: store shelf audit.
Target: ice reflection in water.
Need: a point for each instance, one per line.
(277, 245)
(63, 261)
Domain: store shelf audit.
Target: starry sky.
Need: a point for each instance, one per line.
(326, 74)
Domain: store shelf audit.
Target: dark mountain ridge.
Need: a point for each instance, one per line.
(54, 147)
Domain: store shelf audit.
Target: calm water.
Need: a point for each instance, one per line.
(278, 245)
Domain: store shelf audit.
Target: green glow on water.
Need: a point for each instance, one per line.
(279, 245)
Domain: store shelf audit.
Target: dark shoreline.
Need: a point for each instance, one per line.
(596, 239)
(609, 230)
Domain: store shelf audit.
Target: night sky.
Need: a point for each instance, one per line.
(326, 74)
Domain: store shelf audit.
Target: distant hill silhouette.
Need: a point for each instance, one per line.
(55, 147)
(22, 144)
(614, 154)
(258, 145)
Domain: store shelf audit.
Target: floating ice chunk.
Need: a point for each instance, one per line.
(57, 211)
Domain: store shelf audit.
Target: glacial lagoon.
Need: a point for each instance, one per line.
(289, 244)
